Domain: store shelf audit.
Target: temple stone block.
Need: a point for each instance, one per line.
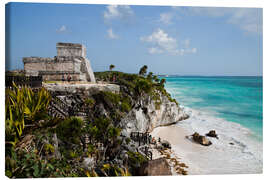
(70, 61)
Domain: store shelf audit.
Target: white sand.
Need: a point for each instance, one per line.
(180, 145)
(214, 159)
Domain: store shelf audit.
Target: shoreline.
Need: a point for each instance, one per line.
(233, 153)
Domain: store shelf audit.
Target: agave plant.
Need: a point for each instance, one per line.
(36, 104)
(23, 105)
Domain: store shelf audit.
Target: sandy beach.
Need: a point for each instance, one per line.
(214, 159)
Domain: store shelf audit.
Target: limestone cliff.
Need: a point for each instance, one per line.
(146, 115)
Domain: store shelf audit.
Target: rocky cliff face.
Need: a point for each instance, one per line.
(146, 115)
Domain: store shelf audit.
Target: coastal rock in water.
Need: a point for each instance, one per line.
(212, 133)
(157, 167)
(145, 115)
(201, 139)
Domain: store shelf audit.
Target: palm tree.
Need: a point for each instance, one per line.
(111, 67)
(155, 78)
(162, 81)
(143, 70)
(150, 76)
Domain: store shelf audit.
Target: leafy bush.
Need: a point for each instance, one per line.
(70, 129)
(126, 104)
(26, 165)
(111, 97)
(49, 148)
(143, 85)
(135, 160)
(90, 102)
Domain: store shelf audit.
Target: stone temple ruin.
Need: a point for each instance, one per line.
(70, 61)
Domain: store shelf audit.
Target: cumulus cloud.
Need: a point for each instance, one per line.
(111, 34)
(161, 42)
(248, 19)
(61, 29)
(117, 12)
(166, 18)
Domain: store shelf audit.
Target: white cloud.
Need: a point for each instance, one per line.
(111, 34)
(153, 50)
(117, 12)
(166, 18)
(63, 28)
(161, 42)
(248, 19)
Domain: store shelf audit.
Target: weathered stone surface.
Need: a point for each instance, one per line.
(157, 167)
(70, 60)
(88, 89)
(88, 163)
(145, 116)
(70, 49)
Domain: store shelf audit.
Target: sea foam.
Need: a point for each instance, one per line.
(235, 152)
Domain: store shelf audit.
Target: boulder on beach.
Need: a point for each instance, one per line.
(212, 133)
(201, 139)
(157, 167)
(166, 144)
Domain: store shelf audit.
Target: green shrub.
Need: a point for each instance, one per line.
(90, 102)
(128, 140)
(70, 129)
(143, 85)
(27, 165)
(111, 97)
(126, 105)
(136, 159)
(49, 148)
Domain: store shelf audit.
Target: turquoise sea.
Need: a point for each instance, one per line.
(236, 98)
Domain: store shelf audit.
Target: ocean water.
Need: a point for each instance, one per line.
(233, 107)
(235, 99)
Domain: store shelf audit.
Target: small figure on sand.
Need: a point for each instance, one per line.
(63, 78)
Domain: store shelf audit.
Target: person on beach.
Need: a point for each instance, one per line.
(63, 78)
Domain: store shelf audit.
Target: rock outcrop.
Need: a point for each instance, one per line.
(157, 167)
(145, 115)
(212, 133)
(201, 139)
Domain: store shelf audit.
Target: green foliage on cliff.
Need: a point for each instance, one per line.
(42, 146)
(70, 129)
(137, 85)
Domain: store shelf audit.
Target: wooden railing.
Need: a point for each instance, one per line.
(30, 81)
(142, 139)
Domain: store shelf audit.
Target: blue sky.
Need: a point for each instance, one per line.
(169, 40)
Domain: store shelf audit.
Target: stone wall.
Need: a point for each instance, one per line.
(70, 60)
(70, 49)
(87, 89)
(51, 64)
